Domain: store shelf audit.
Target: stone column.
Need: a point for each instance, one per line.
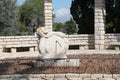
(48, 14)
(99, 24)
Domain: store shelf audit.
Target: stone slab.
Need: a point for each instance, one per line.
(58, 63)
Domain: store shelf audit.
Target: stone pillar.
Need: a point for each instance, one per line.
(48, 14)
(99, 24)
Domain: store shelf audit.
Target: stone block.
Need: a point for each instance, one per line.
(97, 76)
(60, 79)
(48, 76)
(46, 8)
(86, 47)
(13, 50)
(25, 42)
(102, 47)
(18, 42)
(98, 9)
(47, 23)
(36, 48)
(97, 38)
(97, 17)
(86, 78)
(81, 47)
(48, 11)
(58, 63)
(98, 13)
(31, 49)
(59, 75)
(35, 79)
(118, 79)
(77, 79)
(116, 76)
(99, 24)
(108, 79)
(71, 76)
(1, 49)
(85, 75)
(35, 39)
(102, 37)
(97, 47)
(102, 42)
(67, 62)
(48, 18)
(33, 42)
(3, 43)
(9, 43)
(108, 75)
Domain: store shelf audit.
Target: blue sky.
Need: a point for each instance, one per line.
(61, 9)
(20, 1)
(57, 4)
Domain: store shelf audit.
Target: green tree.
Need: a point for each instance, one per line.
(83, 14)
(58, 26)
(8, 17)
(70, 27)
(113, 16)
(31, 15)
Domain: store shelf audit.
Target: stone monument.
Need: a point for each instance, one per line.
(52, 44)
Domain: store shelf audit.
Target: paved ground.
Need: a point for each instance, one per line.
(90, 64)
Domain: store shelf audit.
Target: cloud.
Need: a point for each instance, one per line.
(62, 15)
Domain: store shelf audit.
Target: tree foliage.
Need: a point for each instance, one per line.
(31, 15)
(83, 14)
(8, 17)
(113, 16)
(69, 27)
(58, 26)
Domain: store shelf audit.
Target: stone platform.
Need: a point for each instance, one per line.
(61, 77)
(57, 63)
(70, 52)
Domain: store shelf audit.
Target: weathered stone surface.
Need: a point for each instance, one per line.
(97, 76)
(52, 44)
(60, 63)
(108, 75)
(48, 14)
(107, 79)
(58, 77)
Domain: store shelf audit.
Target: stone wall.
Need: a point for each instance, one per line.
(85, 39)
(19, 42)
(111, 38)
(75, 41)
(61, 77)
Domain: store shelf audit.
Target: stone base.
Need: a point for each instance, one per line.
(57, 63)
(49, 56)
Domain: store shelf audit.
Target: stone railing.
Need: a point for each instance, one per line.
(87, 41)
(29, 43)
(111, 38)
(18, 43)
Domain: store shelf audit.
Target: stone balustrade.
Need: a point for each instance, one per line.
(18, 43)
(30, 42)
